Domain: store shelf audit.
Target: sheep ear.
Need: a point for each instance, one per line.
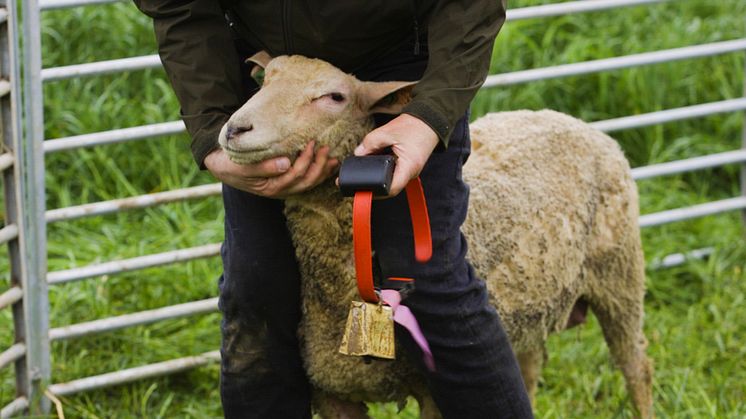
(260, 60)
(385, 97)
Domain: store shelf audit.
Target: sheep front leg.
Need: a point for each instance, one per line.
(531, 361)
(428, 409)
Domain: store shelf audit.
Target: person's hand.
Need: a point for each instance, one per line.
(274, 178)
(411, 140)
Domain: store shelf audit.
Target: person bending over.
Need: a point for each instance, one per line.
(447, 46)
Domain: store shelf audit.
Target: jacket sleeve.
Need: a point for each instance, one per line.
(461, 34)
(198, 53)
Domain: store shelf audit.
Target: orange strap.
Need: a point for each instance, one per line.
(423, 242)
(361, 207)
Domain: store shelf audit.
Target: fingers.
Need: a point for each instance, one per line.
(315, 169)
(300, 167)
(250, 178)
(321, 168)
(279, 186)
(375, 141)
(267, 168)
(308, 171)
(275, 178)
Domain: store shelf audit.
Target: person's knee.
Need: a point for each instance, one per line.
(244, 347)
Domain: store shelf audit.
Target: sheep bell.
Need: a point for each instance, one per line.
(369, 331)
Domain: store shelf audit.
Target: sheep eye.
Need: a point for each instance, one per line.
(337, 97)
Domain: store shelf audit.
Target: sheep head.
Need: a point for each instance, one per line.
(303, 99)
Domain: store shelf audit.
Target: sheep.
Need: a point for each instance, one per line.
(552, 228)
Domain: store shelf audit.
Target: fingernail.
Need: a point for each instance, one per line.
(282, 164)
(359, 150)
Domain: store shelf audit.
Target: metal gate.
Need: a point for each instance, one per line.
(22, 166)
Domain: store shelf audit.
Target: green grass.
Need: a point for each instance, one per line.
(694, 313)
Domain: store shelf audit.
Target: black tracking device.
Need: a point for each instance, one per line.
(367, 173)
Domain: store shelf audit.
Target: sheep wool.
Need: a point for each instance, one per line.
(552, 225)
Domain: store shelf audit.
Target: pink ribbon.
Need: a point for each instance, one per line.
(404, 317)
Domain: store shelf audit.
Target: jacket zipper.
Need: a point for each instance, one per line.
(286, 31)
(416, 28)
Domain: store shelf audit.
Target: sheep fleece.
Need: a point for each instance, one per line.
(552, 218)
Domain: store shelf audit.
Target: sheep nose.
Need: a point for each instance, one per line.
(234, 131)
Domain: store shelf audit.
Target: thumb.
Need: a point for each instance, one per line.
(374, 142)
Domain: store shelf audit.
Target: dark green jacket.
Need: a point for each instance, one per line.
(198, 53)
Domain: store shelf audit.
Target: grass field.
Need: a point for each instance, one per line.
(695, 313)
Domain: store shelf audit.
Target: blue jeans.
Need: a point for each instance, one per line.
(262, 376)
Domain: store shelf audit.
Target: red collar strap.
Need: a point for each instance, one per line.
(361, 208)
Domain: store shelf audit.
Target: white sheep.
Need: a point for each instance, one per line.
(552, 226)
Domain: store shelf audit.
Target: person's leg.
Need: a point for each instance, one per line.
(261, 373)
(477, 375)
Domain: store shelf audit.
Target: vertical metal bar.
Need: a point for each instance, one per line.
(9, 129)
(32, 199)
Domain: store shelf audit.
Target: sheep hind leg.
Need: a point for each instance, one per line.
(622, 329)
(531, 362)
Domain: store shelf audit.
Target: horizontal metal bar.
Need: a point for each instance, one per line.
(571, 7)
(13, 408)
(532, 12)
(10, 297)
(8, 233)
(680, 214)
(3, 15)
(177, 127)
(678, 259)
(615, 63)
(6, 160)
(609, 125)
(114, 136)
(133, 319)
(134, 374)
(4, 87)
(12, 354)
(60, 4)
(689, 165)
(101, 67)
(133, 264)
(670, 115)
(697, 51)
(134, 202)
(153, 61)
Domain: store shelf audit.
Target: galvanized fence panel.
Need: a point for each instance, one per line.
(31, 169)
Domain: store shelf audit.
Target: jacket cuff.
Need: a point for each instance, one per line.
(204, 130)
(434, 119)
(201, 149)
